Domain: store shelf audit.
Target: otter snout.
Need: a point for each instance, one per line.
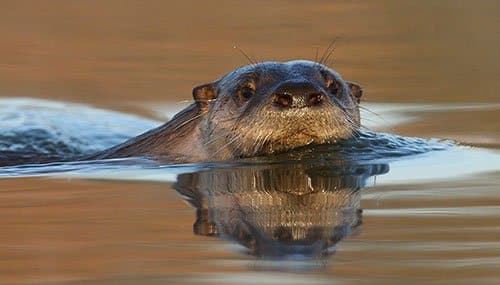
(298, 94)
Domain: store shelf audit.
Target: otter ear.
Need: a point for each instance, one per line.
(203, 94)
(356, 90)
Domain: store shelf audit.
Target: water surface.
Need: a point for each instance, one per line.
(429, 69)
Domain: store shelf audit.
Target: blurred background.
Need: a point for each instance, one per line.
(435, 62)
(121, 53)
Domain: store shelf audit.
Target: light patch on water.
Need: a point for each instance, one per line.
(455, 163)
(384, 116)
(166, 110)
(470, 211)
(79, 126)
(260, 278)
(433, 192)
(391, 246)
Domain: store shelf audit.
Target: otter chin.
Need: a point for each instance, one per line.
(258, 109)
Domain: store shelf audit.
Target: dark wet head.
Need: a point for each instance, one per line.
(273, 107)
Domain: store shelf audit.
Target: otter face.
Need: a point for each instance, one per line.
(273, 107)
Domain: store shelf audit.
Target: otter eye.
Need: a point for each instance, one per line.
(333, 86)
(247, 92)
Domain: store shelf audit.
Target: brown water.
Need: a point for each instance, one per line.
(431, 219)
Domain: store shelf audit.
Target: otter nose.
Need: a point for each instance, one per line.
(297, 94)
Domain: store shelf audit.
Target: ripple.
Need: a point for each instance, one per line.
(36, 133)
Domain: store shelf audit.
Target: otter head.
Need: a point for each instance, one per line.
(273, 107)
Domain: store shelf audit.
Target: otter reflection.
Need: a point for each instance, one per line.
(292, 211)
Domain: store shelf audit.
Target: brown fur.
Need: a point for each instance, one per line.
(166, 142)
(239, 116)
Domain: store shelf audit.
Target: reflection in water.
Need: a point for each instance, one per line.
(288, 211)
(127, 54)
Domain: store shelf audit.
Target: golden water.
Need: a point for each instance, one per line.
(128, 55)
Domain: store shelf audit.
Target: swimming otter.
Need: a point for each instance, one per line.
(257, 109)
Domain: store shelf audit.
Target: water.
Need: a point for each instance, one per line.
(403, 210)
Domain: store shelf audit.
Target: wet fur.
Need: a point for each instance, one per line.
(167, 142)
(221, 125)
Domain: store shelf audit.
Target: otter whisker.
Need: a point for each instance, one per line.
(328, 51)
(348, 122)
(261, 140)
(217, 125)
(223, 146)
(325, 52)
(364, 127)
(368, 110)
(356, 133)
(371, 119)
(231, 139)
(189, 120)
(215, 138)
(253, 62)
(256, 143)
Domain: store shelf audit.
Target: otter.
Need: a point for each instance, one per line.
(255, 110)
